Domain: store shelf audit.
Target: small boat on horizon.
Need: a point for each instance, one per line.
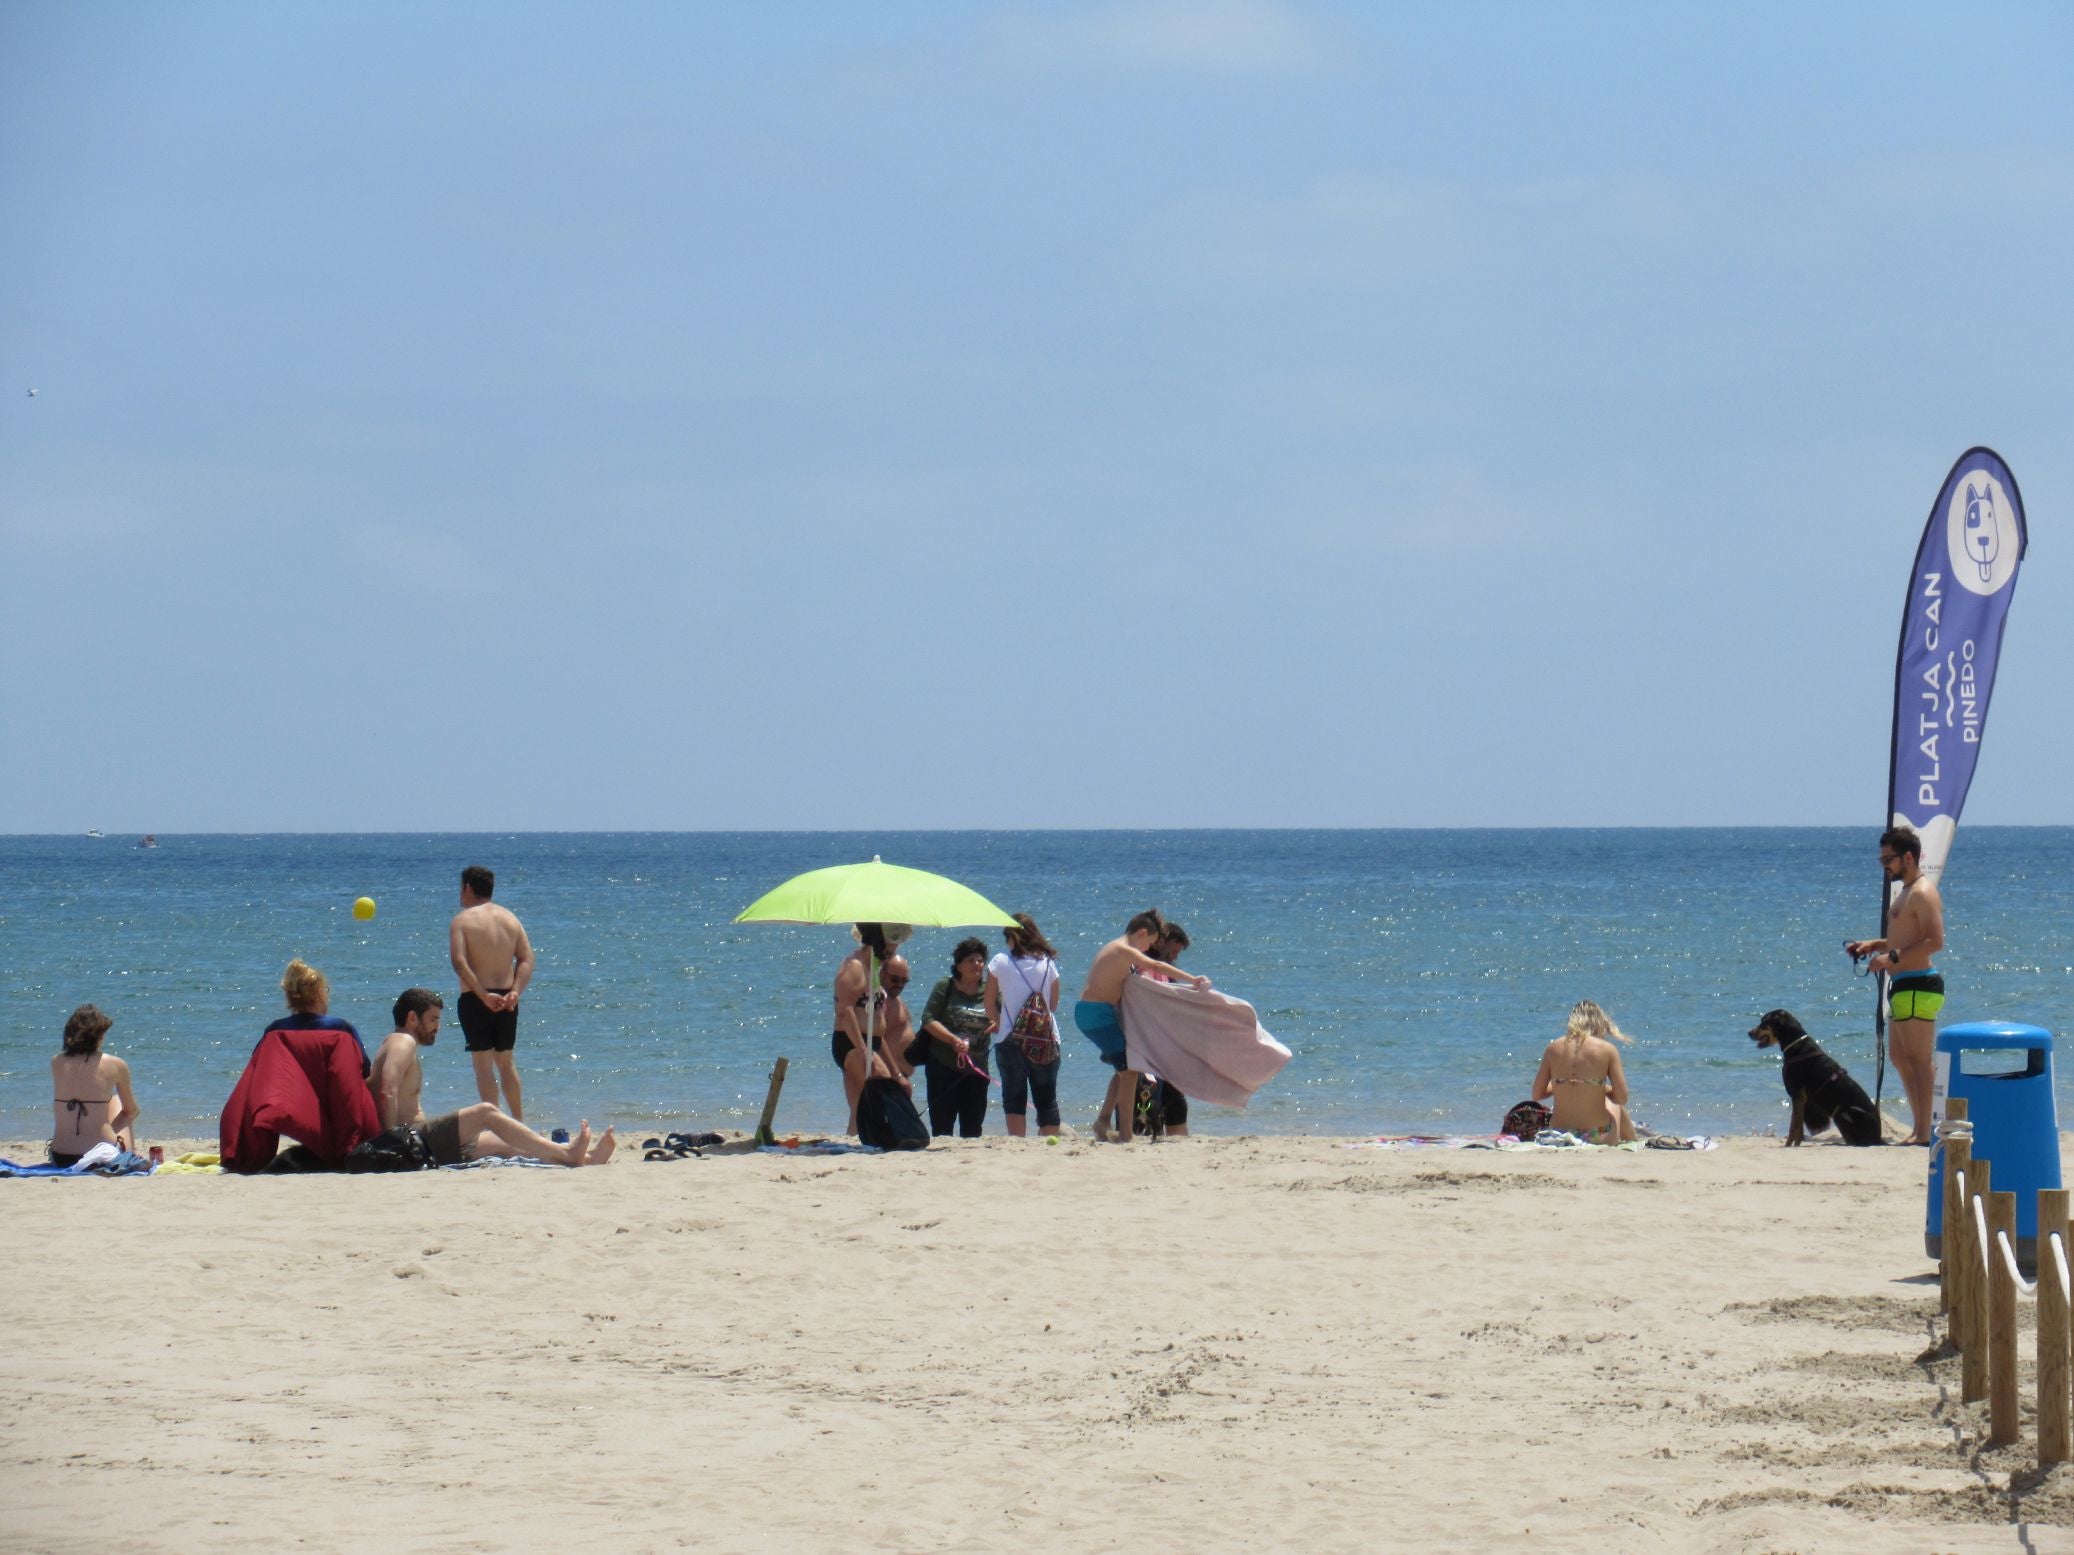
(94, 831)
(147, 841)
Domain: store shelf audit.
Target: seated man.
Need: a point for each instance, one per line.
(397, 1080)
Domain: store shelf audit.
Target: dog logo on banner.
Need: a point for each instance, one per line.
(1983, 555)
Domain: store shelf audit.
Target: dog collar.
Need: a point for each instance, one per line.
(1783, 1046)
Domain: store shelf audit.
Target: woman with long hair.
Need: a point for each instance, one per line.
(1022, 995)
(1581, 1071)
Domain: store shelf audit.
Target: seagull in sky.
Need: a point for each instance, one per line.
(32, 394)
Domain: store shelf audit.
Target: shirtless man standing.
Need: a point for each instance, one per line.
(896, 1022)
(1101, 1023)
(1915, 933)
(494, 960)
(397, 1080)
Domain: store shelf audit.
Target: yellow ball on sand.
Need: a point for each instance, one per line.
(364, 908)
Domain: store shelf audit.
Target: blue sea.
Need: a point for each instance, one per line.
(1417, 975)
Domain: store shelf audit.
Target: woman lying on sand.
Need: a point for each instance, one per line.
(86, 1084)
(1581, 1070)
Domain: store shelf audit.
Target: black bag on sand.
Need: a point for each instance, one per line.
(887, 1120)
(1525, 1120)
(398, 1149)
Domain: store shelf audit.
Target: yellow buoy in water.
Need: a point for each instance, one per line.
(364, 908)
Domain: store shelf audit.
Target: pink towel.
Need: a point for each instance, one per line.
(1208, 1046)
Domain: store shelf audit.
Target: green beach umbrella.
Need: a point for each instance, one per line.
(877, 892)
(874, 893)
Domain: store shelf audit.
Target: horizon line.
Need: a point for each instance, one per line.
(1019, 831)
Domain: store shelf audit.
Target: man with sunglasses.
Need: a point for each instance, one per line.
(1915, 933)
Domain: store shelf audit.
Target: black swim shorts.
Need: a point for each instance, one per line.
(487, 1030)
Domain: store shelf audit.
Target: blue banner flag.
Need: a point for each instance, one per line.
(1951, 636)
(1944, 670)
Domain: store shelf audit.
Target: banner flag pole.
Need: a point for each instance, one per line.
(1944, 667)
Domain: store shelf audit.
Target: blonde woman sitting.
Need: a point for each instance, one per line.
(1581, 1071)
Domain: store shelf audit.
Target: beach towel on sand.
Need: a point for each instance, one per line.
(306, 1085)
(1207, 1045)
(104, 1160)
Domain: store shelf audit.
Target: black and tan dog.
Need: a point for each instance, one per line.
(1823, 1093)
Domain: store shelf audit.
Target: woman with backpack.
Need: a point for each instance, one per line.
(1023, 1003)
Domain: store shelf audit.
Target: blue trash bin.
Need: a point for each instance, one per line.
(2004, 1072)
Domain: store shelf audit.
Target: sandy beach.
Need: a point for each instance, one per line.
(1211, 1344)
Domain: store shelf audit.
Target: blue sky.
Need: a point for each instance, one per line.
(553, 417)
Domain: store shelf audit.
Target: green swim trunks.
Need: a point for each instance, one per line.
(1915, 996)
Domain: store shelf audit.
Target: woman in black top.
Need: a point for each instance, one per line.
(957, 1037)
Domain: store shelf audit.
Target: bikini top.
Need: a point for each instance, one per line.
(1604, 1082)
(78, 1105)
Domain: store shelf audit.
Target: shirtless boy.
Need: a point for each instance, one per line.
(1915, 933)
(494, 961)
(1101, 1022)
(398, 1078)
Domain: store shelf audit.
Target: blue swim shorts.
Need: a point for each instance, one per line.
(1098, 1022)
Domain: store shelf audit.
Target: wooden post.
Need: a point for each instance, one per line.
(1973, 1375)
(1958, 1159)
(2002, 1403)
(764, 1136)
(1957, 1152)
(2055, 1400)
(1958, 1188)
